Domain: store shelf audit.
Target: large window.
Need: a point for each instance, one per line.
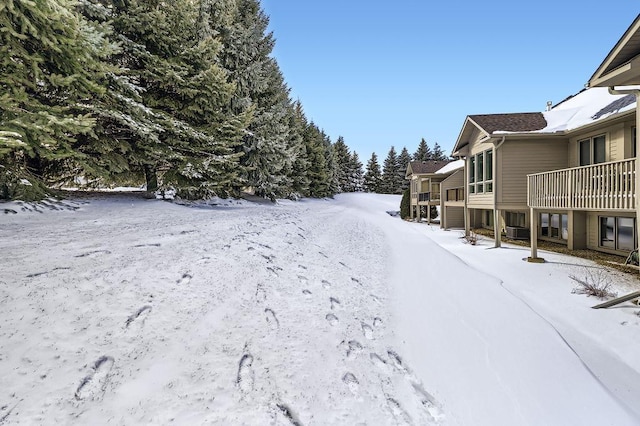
(593, 150)
(481, 172)
(618, 233)
(554, 225)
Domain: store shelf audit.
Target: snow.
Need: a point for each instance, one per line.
(122, 310)
(451, 167)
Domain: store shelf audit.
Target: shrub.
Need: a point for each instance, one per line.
(595, 283)
(405, 204)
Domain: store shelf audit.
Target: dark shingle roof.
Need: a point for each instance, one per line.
(516, 122)
(424, 167)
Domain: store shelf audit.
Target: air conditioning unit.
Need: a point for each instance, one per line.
(517, 233)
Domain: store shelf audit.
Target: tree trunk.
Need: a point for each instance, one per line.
(152, 180)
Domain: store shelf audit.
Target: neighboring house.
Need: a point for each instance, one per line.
(424, 185)
(452, 195)
(557, 175)
(500, 151)
(594, 202)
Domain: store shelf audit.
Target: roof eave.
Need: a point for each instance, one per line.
(625, 75)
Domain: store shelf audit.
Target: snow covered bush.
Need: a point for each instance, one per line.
(405, 204)
(595, 283)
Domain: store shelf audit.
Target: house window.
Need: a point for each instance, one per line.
(593, 150)
(481, 172)
(554, 225)
(515, 219)
(618, 233)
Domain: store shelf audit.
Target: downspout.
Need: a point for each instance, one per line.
(496, 216)
(636, 93)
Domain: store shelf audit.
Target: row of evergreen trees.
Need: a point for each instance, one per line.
(182, 94)
(391, 180)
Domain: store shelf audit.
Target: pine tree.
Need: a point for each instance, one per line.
(373, 175)
(188, 94)
(403, 163)
(319, 185)
(438, 154)
(356, 175)
(259, 89)
(342, 158)
(391, 183)
(299, 181)
(423, 153)
(48, 77)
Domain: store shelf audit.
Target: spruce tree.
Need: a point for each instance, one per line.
(423, 153)
(391, 183)
(342, 158)
(188, 93)
(259, 90)
(299, 164)
(356, 179)
(373, 175)
(48, 78)
(438, 154)
(318, 175)
(403, 163)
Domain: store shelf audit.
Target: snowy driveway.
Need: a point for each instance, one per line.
(129, 311)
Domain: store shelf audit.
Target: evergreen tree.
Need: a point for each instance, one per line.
(403, 163)
(331, 164)
(259, 90)
(48, 77)
(317, 173)
(423, 153)
(373, 175)
(343, 164)
(356, 174)
(188, 94)
(438, 154)
(391, 183)
(299, 165)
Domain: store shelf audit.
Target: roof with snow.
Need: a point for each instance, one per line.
(451, 167)
(425, 167)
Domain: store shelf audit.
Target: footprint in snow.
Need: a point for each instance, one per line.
(379, 362)
(245, 378)
(94, 384)
(334, 302)
(398, 412)
(272, 320)
(186, 279)
(396, 361)
(429, 404)
(355, 280)
(306, 292)
(140, 315)
(92, 253)
(332, 319)
(288, 413)
(303, 278)
(377, 322)
(302, 267)
(326, 284)
(351, 381)
(367, 331)
(354, 349)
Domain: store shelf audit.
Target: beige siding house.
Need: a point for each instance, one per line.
(500, 150)
(452, 195)
(426, 178)
(592, 201)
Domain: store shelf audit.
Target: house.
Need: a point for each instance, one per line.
(500, 150)
(452, 195)
(592, 202)
(425, 185)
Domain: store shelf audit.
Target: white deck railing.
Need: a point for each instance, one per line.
(606, 186)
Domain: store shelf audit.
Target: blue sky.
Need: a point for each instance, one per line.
(383, 73)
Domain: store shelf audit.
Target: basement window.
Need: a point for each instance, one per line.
(617, 233)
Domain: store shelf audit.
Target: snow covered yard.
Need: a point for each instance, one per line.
(121, 310)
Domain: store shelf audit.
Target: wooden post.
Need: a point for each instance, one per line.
(533, 234)
(496, 228)
(637, 195)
